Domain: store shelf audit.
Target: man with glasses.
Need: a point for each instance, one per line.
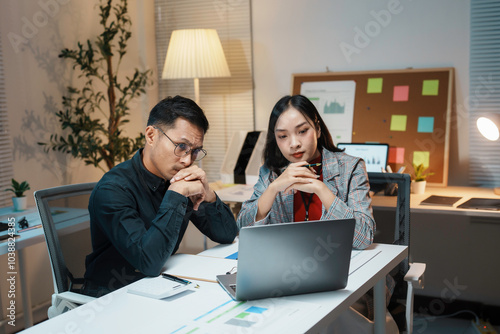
(140, 209)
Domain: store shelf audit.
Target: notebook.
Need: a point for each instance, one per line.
(292, 258)
(440, 200)
(481, 204)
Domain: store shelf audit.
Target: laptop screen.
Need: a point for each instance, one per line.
(292, 258)
(374, 155)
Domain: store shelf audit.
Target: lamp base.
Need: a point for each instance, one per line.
(497, 190)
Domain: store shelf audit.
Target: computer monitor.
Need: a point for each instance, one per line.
(375, 155)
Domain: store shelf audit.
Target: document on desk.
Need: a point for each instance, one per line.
(272, 315)
(237, 193)
(198, 267)
(360, 257)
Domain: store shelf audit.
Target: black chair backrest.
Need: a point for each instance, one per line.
(402, 223)
(64, 214)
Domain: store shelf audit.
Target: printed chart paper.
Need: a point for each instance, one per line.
(335, 103)
(266, 315)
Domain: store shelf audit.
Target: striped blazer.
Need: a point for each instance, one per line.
(344, 175)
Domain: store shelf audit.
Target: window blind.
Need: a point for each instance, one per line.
(5, 143)
(227, 102)
(484, 92)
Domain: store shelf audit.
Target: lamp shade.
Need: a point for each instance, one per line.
(489, 127)
(195, 53)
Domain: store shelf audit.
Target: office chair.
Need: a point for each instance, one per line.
(411, 273)
(65, 219)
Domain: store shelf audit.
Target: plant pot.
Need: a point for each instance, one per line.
(20, 203)
(418, 187)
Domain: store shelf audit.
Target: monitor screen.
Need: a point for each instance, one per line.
(374, 155)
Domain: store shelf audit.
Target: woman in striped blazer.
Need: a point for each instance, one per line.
(306, 177)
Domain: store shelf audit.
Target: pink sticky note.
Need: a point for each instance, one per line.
(396, 155)
(401, 93)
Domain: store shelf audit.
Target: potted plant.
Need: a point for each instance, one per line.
(420, 179)
(93, 116)
(20, 201)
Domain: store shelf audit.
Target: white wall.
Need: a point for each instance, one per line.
(36, 80)
(33, 34)
(289, 36)
(296, 36)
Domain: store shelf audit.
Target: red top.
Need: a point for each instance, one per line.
(301, 200)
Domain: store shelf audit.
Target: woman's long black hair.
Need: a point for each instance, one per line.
(273, 158)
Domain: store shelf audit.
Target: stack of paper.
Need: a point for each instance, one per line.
(198, 267)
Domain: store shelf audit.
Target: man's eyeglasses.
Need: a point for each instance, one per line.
(183, 149)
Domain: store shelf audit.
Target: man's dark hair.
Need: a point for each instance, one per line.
(169, 109)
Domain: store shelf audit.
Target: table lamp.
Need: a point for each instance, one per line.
(195, 53)
(489, 126)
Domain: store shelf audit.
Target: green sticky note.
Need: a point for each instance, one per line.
(425, 124)
(421, 157)
(430, 87)
(374, 85)
(398, 123)
(242, 315)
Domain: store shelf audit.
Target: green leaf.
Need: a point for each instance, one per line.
(85, 118)
(18, 188)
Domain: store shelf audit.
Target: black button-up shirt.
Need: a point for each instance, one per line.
(136, 224)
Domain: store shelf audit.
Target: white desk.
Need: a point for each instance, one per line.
(241, 192)
(121, 312)
(465, 193)
(468, 236)
(32, 237)
(458, 245)
(26, 239)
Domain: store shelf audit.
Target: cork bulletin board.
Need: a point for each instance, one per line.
(408, 109)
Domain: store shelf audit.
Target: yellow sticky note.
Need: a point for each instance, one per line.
(398, 123)
(374, 85)
(421, 157)
(430, 87)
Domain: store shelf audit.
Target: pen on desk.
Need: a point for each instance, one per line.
(176, 279)
(232, 271)
(312, 165)
(30, 228)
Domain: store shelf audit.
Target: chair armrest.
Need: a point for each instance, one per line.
(64, 301)
(415, 275)
(75, 297)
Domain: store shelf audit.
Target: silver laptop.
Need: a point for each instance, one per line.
(292, 258)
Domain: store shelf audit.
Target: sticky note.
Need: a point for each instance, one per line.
(398, 123)
(401, 93)
(396, 155)
(430, 87)
(421, 157)
(374, 85)
(425, 124)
